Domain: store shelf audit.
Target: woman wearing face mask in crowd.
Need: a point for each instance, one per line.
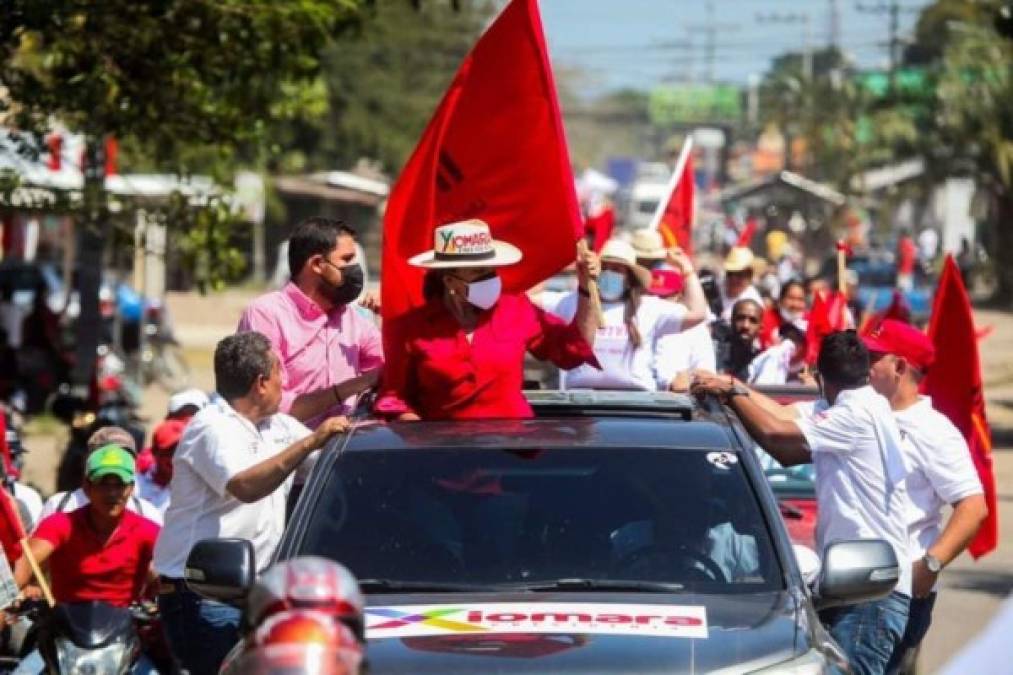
(463, 351)
(634, 320)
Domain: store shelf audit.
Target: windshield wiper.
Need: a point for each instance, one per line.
(395, 586)
(629, 585)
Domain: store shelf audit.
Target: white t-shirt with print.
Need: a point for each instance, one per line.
(676, 353)
(860, 473)
(773, 365)
(216, 445)
(622, 366)
(942, 471)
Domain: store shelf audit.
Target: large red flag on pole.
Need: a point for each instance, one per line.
(674, 216)
(495, 149)
(954, 383)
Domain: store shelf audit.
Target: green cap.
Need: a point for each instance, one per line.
(110, 460)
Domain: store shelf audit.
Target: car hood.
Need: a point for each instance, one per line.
(580, 633)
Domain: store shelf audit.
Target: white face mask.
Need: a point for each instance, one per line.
(611, 285)
(484, 294)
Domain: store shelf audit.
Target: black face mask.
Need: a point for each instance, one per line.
(351, 285)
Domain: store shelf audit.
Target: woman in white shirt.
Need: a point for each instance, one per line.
(634, 320)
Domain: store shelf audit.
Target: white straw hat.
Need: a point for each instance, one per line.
(648, 244)
(739, 259)
(618, 251)
(467, 243)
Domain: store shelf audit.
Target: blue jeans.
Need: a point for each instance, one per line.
(201, 632)
(869, 632)
(918, 621)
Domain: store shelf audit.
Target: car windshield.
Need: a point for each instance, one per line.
(558, 519)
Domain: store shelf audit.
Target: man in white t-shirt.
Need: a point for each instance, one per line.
(854, 444)
(942, 471)
(232, 472)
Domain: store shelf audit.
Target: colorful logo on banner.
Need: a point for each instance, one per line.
(613, 619)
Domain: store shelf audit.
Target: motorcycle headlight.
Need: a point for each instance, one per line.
(109, 660)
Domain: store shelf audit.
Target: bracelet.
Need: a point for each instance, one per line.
(583, 291)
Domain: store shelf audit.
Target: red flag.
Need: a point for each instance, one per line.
(54, 143)
(955, 385)
(601, 220)
(11, 529)
(769, 326)
(748, 232)
(898, 310)
(495, 149)
(112, 156)
(829, 314)
(676, 226)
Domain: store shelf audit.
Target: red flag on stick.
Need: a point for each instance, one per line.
(898, 310)
(829, 314)
(676, 226)
(495, 149)
(954, 383)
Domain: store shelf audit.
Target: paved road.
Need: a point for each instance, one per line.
(972, 590)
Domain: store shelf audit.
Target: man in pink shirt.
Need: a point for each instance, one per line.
(329, 351)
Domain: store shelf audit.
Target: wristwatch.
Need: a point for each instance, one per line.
(737, 390)
(933, 563)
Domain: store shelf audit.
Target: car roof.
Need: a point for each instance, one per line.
(566, 419)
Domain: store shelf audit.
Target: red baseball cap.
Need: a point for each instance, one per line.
(167, 434)
(665, 283)
(904, 340)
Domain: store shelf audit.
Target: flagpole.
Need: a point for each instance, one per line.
(680, 168)
(37, 571)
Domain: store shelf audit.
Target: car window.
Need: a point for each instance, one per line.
(514, 517)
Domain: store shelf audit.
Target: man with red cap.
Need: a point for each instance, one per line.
(941, 469)
(153, 482)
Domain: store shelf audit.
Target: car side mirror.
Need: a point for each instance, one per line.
(856, 571)
(221, 569)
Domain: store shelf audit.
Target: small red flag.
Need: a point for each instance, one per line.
(112, 156)
(955, 385)
(54, 143)
(829, 314)
(898, 310)
(769, 326)
(745, 239)
(495, 149)
(676, 226)
(600, 222)
(11, 529)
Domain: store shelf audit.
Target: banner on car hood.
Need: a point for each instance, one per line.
(682, 621)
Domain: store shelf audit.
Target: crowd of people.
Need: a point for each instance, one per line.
(641, 317)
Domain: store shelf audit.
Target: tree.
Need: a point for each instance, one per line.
(164, 75)
(384, 80)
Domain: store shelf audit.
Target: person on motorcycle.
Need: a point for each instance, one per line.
(100, 552)
(70, 501)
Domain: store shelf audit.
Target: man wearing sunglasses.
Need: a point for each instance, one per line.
(330, 352)
(853, 440)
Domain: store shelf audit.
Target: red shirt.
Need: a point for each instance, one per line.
(441, 376)
(83, 567)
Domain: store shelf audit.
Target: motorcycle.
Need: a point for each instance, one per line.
(86, 637)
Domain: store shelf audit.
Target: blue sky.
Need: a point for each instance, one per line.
(622, 43)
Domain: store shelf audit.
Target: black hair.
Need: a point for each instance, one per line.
(239, 360)
(314, 236)
(788, 285)
(432, 284)
(789, 331)
(843, 360)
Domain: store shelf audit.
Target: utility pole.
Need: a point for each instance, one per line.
(710, 30)
(835, 25)
(893, 9)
